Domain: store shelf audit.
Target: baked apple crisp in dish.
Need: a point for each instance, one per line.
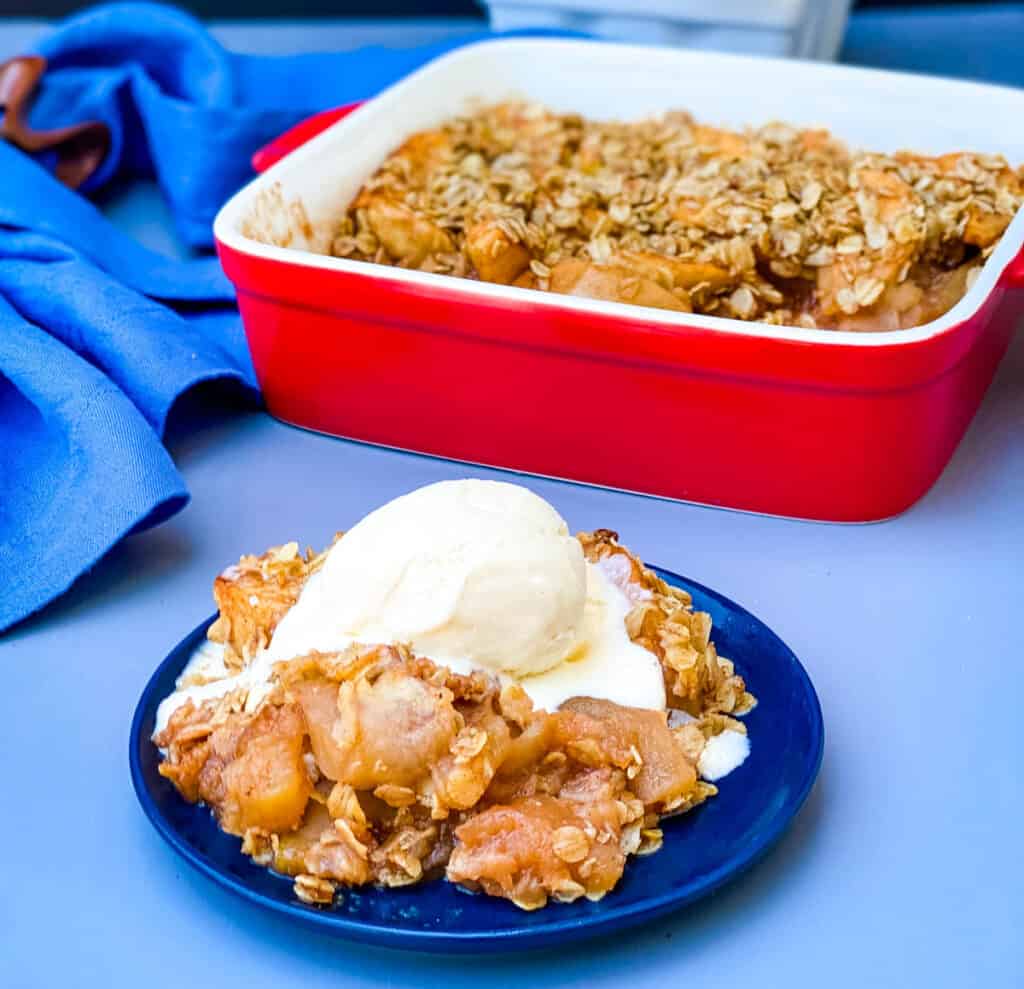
(457, 688)
(777, 224)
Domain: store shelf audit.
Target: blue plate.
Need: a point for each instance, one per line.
(702, 849)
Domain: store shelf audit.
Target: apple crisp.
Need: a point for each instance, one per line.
(776, 224)
(377, 765)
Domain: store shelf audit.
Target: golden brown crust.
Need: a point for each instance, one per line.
(662, 620)
(253, 596)
(377, 765)
(777, 224)
(539, 847)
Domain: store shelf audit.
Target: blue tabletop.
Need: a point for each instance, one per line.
(903, 869)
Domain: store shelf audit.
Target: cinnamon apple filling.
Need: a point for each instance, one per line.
(778, 224)
(341, 761)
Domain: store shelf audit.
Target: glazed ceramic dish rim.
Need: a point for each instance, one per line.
(507, 938)
(379, 112)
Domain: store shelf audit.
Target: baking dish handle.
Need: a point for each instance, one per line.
(298, 135)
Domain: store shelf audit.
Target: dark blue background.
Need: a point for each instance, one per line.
(352, 8)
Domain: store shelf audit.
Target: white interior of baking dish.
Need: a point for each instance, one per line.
(881, 111)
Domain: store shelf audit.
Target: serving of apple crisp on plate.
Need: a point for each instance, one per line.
(457, 694)
(777, 224)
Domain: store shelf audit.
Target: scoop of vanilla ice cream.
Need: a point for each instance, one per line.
(473, 575)
(457, 569)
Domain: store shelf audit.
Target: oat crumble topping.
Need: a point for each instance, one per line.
(775, 223)
(376, 765)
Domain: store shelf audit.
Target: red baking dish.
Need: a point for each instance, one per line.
(811, 424)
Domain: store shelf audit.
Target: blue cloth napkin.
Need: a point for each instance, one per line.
(99, 337)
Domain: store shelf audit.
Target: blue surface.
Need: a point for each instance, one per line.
(702, 849)
(902, 870)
